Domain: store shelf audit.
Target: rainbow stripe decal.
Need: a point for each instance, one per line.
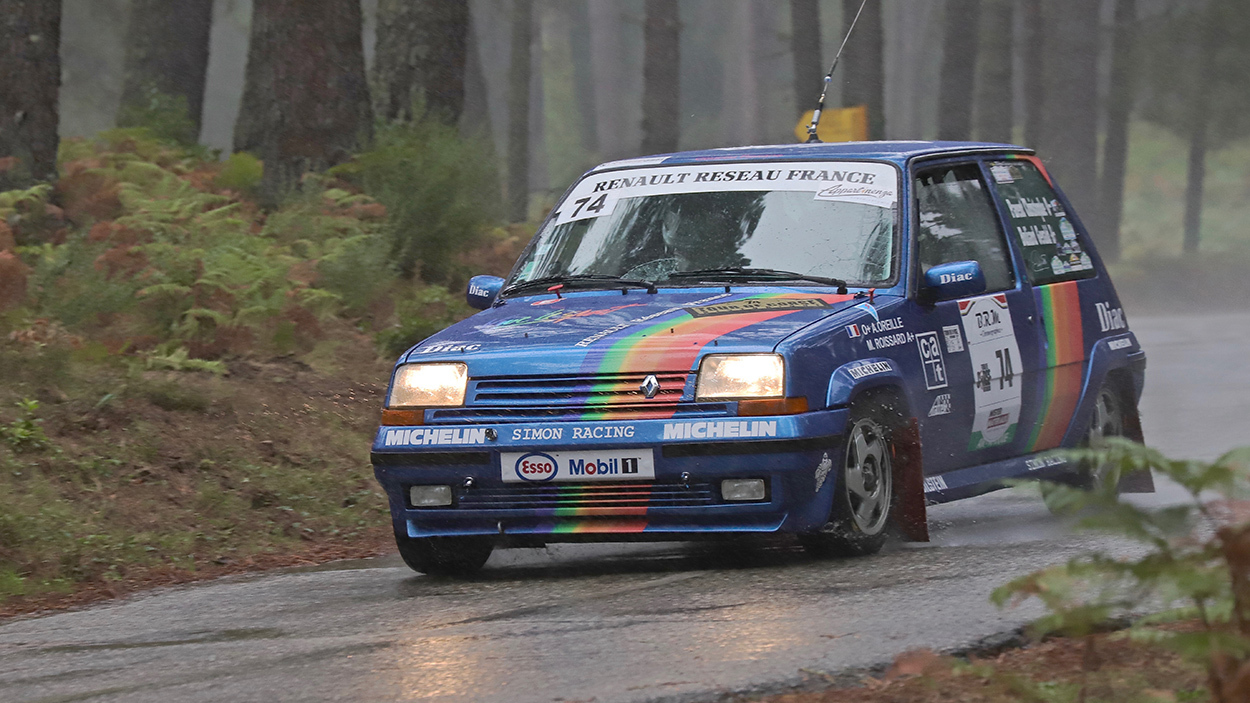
(672, 343)
(1060, 305)
(675, 343)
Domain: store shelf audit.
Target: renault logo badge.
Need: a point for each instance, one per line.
(650, 386)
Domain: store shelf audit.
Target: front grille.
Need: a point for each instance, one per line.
(548, 391)
(583, 397)
(587, 499)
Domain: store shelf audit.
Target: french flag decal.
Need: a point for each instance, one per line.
(852, 331)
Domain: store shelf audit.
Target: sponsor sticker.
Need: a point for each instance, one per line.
(720, 429)
(870, 309)
(994, 356)
(932, 484)
(932, 360)
(822, 470)
(954, 339)
(860, 182)
(1122, 343)
(1043, 462)
(427, 436)
(869, 368)
(737, 307)
(1002, 173)
(1110, 318)
(577, 465)
(941, 405)
(450, 348)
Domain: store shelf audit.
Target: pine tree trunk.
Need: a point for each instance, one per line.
(1034, 41)
(1199, 126)
(959, 69)
(1119, 109)
(805, 45)
(1070, 109)
(305, 96)
(661, 78)
(519, 111)
(420, 59)
(166, 53)
(864, 60)
(30, 78)
(994, 86)
(583, 75)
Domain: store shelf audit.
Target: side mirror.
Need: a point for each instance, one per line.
(482, 291)
(957, 279)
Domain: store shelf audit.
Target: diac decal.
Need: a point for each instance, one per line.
(737, 307)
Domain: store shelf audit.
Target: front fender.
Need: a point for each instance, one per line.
(855, 377)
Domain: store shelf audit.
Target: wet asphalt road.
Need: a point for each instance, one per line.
(608, 622)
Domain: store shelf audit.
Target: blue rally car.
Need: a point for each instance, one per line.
(816, 339)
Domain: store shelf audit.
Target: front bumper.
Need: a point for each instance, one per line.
(692, 457)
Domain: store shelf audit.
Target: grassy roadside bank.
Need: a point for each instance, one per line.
(130, 476)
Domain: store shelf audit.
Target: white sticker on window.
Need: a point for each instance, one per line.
(862, 182)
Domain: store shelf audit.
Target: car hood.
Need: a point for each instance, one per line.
(595, 332)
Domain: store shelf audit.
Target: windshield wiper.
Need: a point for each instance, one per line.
(580, 280)
(753, 274)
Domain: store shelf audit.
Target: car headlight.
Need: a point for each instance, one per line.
(726, 376)
(429, 386)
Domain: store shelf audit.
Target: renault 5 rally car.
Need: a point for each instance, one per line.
(815, 339)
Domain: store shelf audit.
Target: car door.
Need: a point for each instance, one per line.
(1058, 266)
(988, 342)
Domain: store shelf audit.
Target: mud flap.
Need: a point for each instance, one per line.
(1138, 481)
(910, 514)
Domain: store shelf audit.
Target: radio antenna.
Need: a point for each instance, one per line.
(820, 104)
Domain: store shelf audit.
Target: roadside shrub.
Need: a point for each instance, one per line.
(440, 191)
(1193, 563)
(26, 433)
(165, 115)
(427, 311)
(240, 171)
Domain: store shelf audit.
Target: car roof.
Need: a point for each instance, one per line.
(899, 152)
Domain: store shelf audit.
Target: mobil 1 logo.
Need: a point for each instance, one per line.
(931, 358)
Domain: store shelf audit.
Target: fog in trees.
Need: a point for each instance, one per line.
(166, 66)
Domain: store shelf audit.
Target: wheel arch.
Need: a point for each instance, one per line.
(910, 512)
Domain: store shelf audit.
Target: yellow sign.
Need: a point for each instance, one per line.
(847, 124)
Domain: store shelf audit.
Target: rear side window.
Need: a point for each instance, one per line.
(958, 222)
(1042, 229)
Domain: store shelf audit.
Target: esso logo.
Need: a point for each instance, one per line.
(536, 466)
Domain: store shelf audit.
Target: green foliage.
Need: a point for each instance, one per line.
(166, 116)
(177, 360)
(25, 434)
(440, 192)
(240, 171)
(1193, 559)
(427, 311)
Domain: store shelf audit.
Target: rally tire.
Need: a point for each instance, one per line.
(864, 493)
(1109, 418)
(445, 556)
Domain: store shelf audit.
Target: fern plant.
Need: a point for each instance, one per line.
(1192, 562)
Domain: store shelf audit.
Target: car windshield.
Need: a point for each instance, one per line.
(832, 220)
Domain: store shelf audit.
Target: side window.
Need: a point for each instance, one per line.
(958, 222)
(1042, 230)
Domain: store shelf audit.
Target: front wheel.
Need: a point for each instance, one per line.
(864, 494)
(445, 556)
